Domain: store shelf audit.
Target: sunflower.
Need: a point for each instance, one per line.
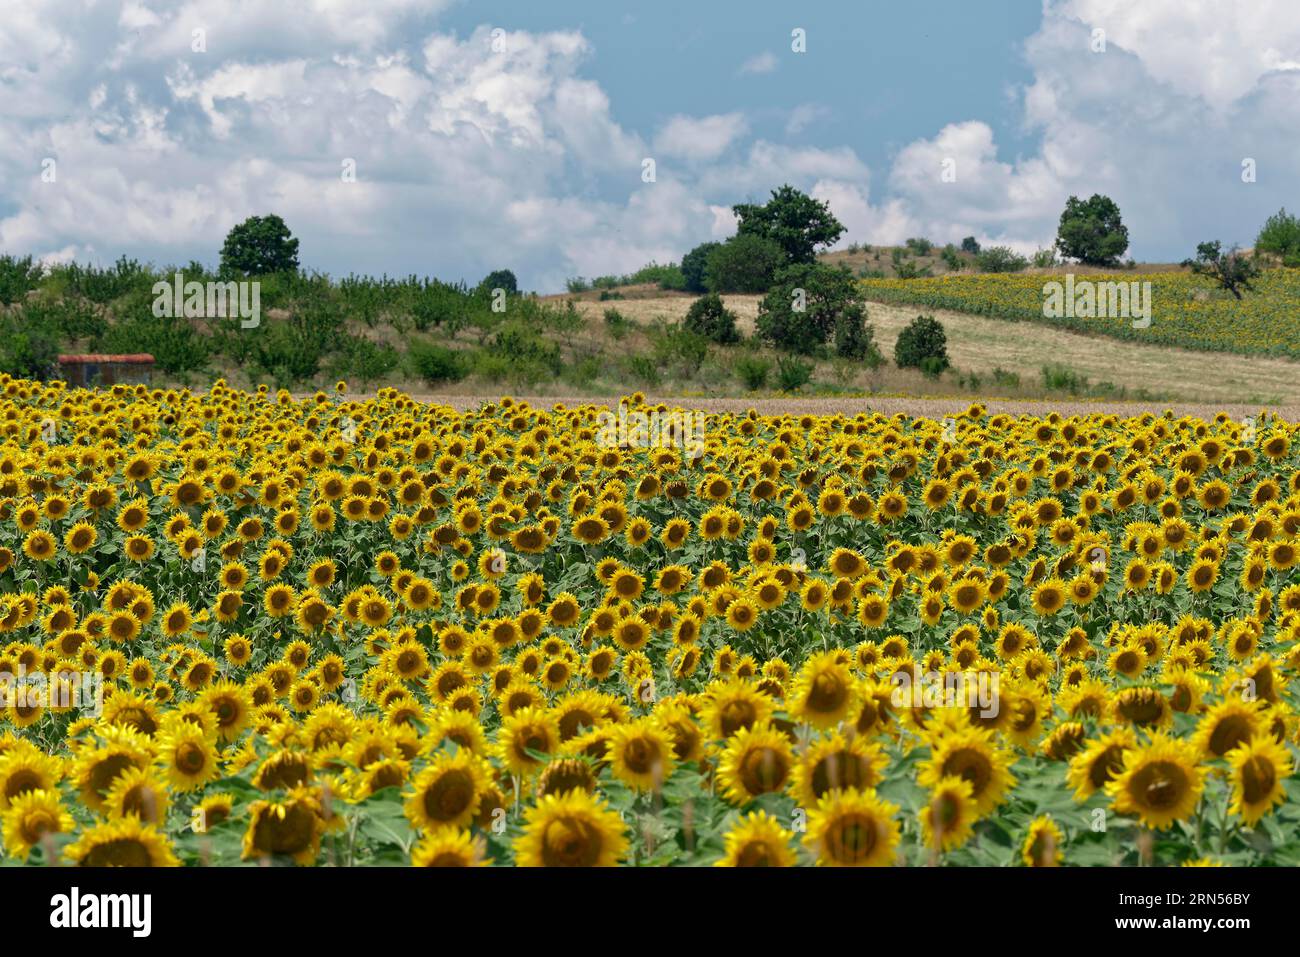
(1257, 770)
(449, 847)
(1228, 724)
(1160, 783)
(641, 754)
(573, 829)
(137, 792)
(853, 829)
(1042, 846)
(189, 757)
(528, 732)
(948, 818)
(757, 840)
(31, 818)
(289, 827)
(971, 755)
(835, 763)
(124, 842)
(824, 693)
(448, 791)
(757, 760)
(733, 706)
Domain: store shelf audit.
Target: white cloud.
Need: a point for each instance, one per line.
(699, 138)
(760, 63)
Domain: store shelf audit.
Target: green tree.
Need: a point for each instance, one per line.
(1231, 270)
(500, 279)
(807, 304)
(694, 265)
(922, 345)
(1280, 235)
(793, 220)
(744, 263)
(1091, 231)
(258, 246)
(708, 317)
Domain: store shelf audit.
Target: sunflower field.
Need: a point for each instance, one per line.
(1187, 311)
(339, 632)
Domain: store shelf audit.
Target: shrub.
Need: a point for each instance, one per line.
(744, 263)
(922, 339)
(854, 339)
(803, 307)
(1000, 259)
(932, 366)
(1044, 258)
(1091, 231)
(908, 269)
(363, 361)
(576, 284)
(752, 372)
(708, 317)
(519, 342)
(679, 347)
(1280, 236)
(18, 277)
(792, 374)
(694, 265)
(1061, 378)
(434, 363)
(617, 323)
(27, 351)
(920, 245)
(952, 259)
(175, 344)
(259, 245)
(970, 245)
(642, 368)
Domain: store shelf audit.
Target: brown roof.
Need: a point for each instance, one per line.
(135, 358)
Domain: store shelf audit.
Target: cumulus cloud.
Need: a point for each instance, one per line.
(699, 138)
(502, 148)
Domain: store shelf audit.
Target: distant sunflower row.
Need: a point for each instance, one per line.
(246, 627)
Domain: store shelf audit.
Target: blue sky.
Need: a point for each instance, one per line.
(168, 121)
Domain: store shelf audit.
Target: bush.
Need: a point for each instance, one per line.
(952, 258)
(752, 372)
(922, 339)
(854, 339)
(18, 277)
(744, 263)
(920, 245)
(970, 245)
(678, 347)
(1061, 378)
(1000, 259)
(258, 246)
(932, 366)
(617, 323)
(792, 374)
(1280, 236)
(642, 368)
(27, 351)
(804, 306)
(434, 363)
(363, 361)
(577, 284)
(175, 344)
(1044, 258)
(1091, 231)
(708, 317)
(535, 356)
(694, 266)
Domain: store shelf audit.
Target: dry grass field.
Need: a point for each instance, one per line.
(980, 345)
